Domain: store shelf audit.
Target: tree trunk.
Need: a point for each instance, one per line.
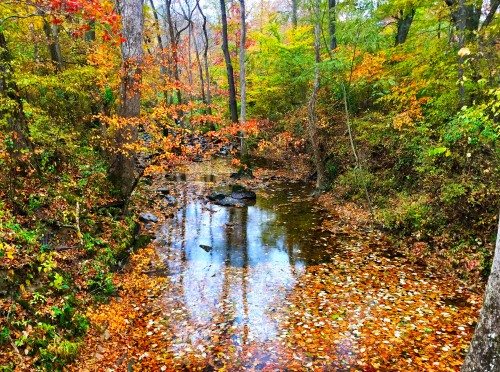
(200, 67)
(190, 61)
(466, 13)
(312, 125)
(295, 5)
(205, 54)
(52, 35)
(491, 13)
(332, 15)
(484, 352)
(21, 148)
(174, 59)
(124, 170)
(243, 84)
(404, 24)
(461, 27)
(233, 107)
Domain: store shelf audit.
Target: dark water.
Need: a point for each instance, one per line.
(239, 262)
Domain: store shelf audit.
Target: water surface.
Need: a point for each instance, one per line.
(234, 266)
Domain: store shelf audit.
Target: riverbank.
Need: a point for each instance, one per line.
(269, 306)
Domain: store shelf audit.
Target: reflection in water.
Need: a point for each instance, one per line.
(234, 266)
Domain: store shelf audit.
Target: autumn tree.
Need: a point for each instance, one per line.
(233, 107)
(123, 170)
(312, 122)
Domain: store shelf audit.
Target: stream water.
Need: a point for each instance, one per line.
(234, 266)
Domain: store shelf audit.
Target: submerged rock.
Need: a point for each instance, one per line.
(206, 248)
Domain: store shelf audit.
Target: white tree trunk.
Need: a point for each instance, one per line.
(484, 352)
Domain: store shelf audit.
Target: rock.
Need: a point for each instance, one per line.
(206, 248)
(163, 191)
(171, 201)
(246, 194)
(216, 196)
(148, 217)
(229, 202)
(240, 192)
(242, 173)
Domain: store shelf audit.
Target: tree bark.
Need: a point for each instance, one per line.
(312, 125)
(243, 84)
(484, 352)
(491, 14)
(404, 24)
(233, 107)
(200, 67)
(124, 170)
(174, 59)
(332, 21)
(295, 5)
(52, 35)
(205, 54)
(466, 13)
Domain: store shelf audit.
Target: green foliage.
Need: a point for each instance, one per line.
(280, 67)
(410, 214)
(101, 285)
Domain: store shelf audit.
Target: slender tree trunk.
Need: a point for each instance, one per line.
(205, 54)
(494, 4)
(332, 22)
(164, 72)
(200, 68)
(124, 170)
(243, 83)
(484, 352)
(312, 124)
(174, 58)
(404, 24)
(295, 5)
(233, 107)
(190, 61)
(52, 35)
(461, 27)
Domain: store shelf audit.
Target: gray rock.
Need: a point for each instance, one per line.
(148, 217)
(229, 202)
(163, 191)
(216, 196)
(171, 201)
(244, 194)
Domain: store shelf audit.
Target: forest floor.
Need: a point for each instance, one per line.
(364, 308)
